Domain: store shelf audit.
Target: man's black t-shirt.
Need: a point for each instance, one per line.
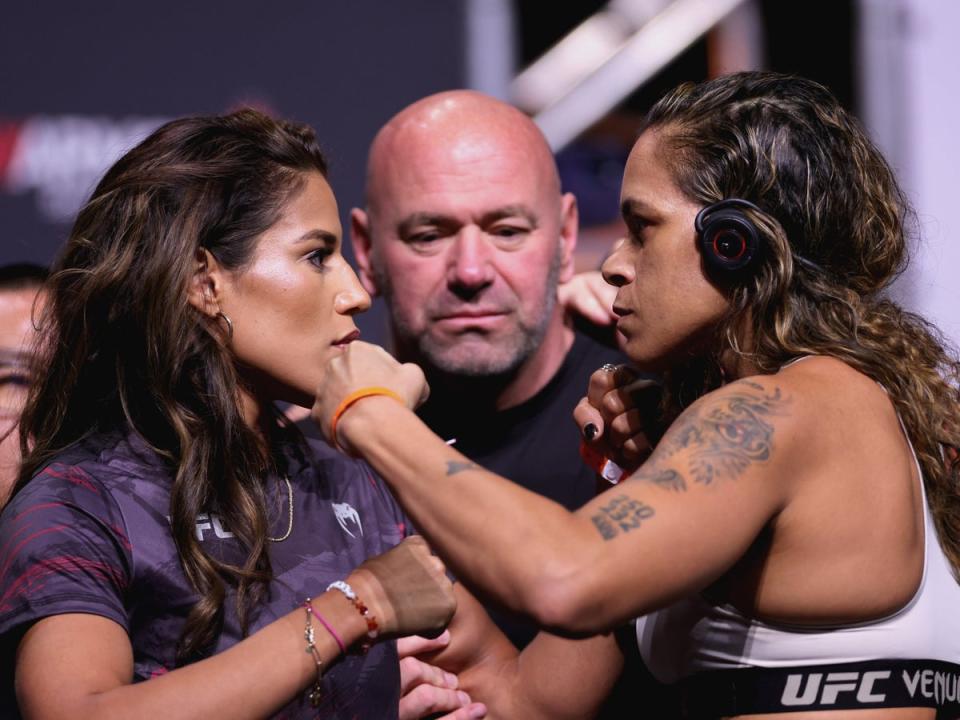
(534, 444)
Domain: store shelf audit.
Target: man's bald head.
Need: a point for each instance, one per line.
(456, 127)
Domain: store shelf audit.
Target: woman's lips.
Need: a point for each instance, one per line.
(348, 338)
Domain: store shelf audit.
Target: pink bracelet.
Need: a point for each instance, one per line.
(333, 633)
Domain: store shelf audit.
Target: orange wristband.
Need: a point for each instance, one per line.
(353, 397)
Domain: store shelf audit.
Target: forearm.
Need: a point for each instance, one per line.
(253, 679)
(441, 491)
(553, 679)
(272, 660)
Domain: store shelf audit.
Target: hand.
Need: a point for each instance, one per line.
(426, 689)
(362, 365)
(621, 408)
(406, 590)
(589, 295)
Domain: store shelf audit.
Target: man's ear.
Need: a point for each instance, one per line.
(569, 226)
(363, 249)
(206, 283)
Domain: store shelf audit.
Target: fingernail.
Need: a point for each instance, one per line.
(590, 431)
(444, 637)
(450, 679)
(478, 712)
(463, 698)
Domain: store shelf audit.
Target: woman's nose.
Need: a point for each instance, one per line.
(352, 298)
(616, 270)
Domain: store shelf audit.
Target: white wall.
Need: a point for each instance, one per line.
(910, 72)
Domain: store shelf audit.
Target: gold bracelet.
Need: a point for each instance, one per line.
(316, 692)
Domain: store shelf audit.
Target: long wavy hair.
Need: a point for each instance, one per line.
(834, 224)
(122, 348)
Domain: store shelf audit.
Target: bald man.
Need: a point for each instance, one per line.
(466, 234)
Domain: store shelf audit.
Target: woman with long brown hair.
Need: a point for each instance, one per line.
(791, 541)
(169, 528)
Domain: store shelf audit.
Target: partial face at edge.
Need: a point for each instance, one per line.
(668, 307)
(467, 248)
(17, 335)
(292, 306)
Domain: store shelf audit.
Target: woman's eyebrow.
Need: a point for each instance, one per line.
(632, 207)
(317, 234)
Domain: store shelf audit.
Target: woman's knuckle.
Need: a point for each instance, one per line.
(612, 404)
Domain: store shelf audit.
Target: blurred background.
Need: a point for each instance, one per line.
(82, 82)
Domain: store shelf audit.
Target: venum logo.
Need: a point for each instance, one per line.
(798, 693)
(346, 515)
(933, 684)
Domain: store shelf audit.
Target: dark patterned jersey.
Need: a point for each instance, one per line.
(91, 534)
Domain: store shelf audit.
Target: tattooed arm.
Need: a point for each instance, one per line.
(717, 477)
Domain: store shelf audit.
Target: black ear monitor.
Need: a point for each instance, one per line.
(729, 241)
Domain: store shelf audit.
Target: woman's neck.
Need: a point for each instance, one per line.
(258, 416)
(734, 366)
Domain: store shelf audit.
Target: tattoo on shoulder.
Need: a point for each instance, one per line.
(455, 466)
(621, 515)
(724, 436)
(664, 477)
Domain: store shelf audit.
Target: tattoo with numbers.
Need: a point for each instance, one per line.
(622, 514)
(723, 436)
(455, 466)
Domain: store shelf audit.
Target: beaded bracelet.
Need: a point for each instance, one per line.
(316, 691)
(373, 629)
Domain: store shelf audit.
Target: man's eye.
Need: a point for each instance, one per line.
(423, 238)
(13, 392)
(508, 231)
(427, 241)
(16, 380)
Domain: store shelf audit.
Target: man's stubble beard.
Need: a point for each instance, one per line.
(504, 355)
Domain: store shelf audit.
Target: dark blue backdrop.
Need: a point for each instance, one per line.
(80, 81)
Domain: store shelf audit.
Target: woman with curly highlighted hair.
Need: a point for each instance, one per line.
(788, 531)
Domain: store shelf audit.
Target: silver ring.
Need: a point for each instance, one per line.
(608, 367)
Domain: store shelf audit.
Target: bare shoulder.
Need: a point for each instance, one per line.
(827, 376)
(779, 423)
(835, 398)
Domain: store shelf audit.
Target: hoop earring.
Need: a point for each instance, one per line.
(228, 321)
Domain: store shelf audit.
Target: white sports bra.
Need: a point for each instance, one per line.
(694, 636)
